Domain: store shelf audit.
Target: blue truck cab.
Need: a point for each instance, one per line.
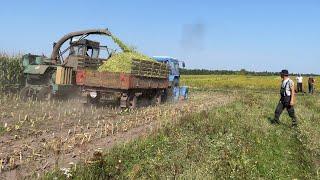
(178, 93)
(174, 65)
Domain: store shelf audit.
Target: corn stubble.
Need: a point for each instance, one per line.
(63, 135)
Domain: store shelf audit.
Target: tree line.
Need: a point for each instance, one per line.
(233, 72)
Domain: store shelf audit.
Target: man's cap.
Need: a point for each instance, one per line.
(284, 72)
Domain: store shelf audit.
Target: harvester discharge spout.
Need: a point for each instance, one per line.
(55, 55)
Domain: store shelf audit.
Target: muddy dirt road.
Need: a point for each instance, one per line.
(36, 137)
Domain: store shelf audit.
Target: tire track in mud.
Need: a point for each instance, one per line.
(42, 136)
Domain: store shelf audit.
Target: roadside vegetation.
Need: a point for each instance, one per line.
(234, 141)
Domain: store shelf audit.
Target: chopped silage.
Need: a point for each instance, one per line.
(122, 62)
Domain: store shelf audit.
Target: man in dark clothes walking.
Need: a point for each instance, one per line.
(287, 98)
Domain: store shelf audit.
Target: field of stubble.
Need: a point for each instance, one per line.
(36, 137)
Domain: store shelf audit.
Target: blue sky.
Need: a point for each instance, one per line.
(231, 34)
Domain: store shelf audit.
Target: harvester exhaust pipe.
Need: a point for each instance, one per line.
(56, 47)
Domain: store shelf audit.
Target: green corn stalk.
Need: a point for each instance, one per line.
(11, 72)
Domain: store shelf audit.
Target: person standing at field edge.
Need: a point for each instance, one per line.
(287, 98)
(299, 83)
(311, 82)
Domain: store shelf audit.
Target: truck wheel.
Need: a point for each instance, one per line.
(157, 100)
(133, 101)
(124, 100)
(44, 94)
(26, 93)
(92, 99)
(168, 95)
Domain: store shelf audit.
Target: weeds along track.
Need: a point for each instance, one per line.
(38, 136)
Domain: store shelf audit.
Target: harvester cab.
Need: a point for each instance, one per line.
(82, 53)
(85, 48)
(57, 75)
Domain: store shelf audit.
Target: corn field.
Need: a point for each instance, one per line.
(11, 72)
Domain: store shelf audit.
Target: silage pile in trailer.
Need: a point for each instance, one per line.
(122, 62)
